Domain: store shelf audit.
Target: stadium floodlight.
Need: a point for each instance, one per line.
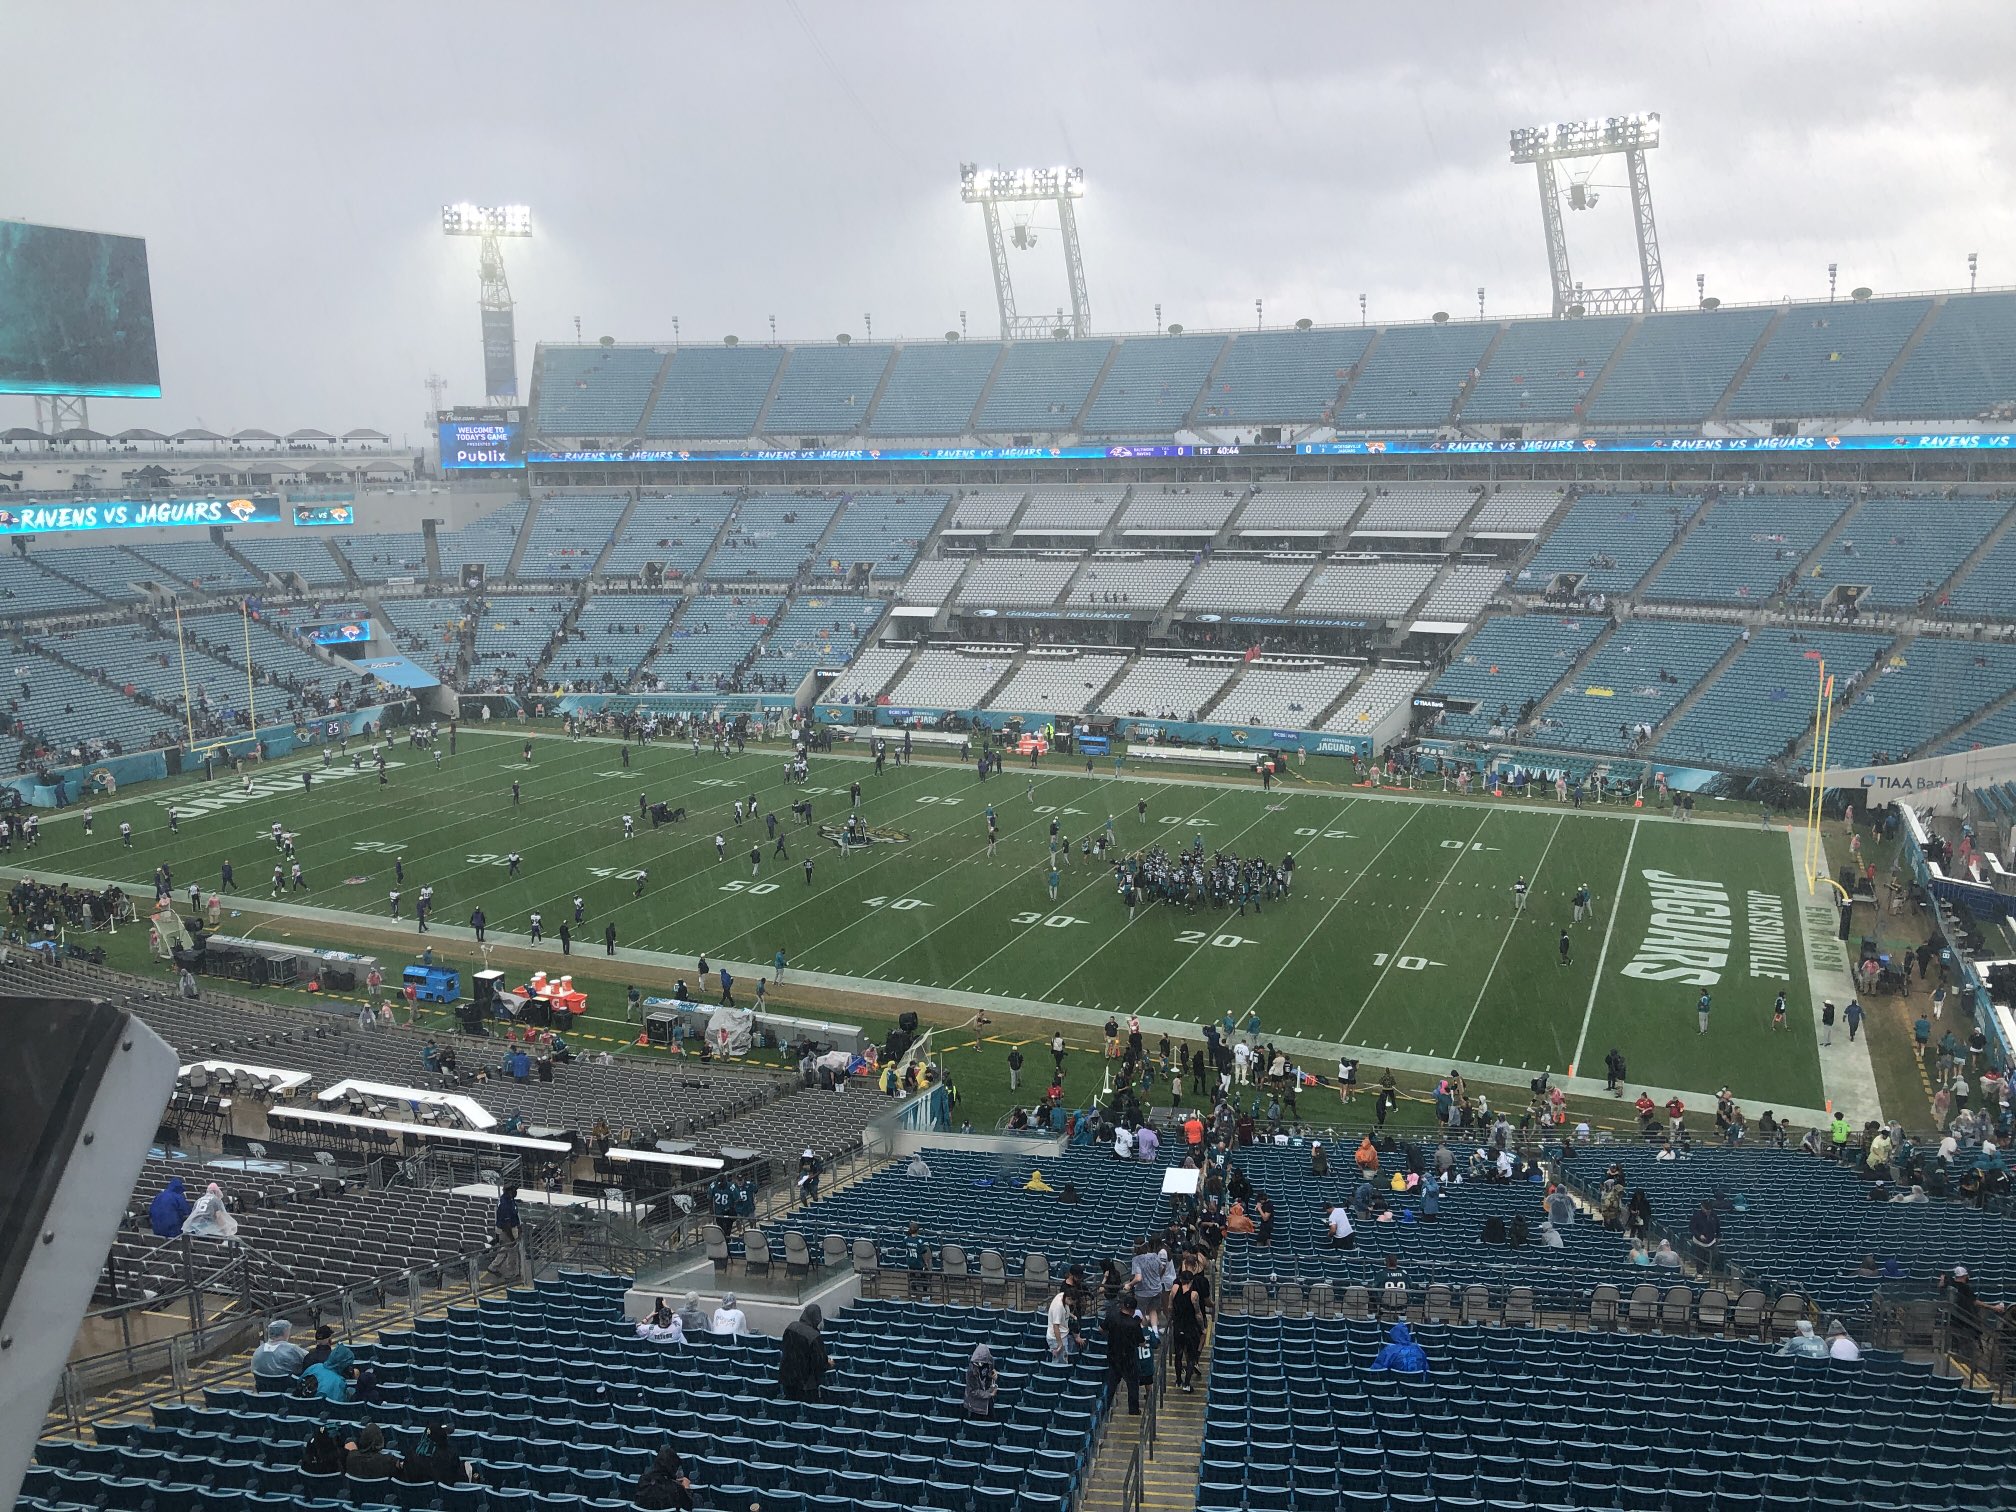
(1632, 136)
(1013, 185)
(493, 300)
(992, 188)
(1586, 138)
(466, 219)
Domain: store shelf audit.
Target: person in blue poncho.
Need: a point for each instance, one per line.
(1400, 1352)
(170, 1210)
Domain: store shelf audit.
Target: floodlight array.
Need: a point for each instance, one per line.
(978, 186)
(1566, 139)
(466, 219)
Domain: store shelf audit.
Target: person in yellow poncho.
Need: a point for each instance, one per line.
(1036, 1183)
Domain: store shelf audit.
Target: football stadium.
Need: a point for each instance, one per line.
(1062, 916)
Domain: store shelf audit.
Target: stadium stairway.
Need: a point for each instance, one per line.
(42, 560)
(430, 536)
(1169, 1478)
(1357, 371)
(1741, 376)
(265, 577)
(1468, 387)
(881, 388)
(1911, 344)
(1820, 548)
(616, 531)
(1708, 503)
(1706, 681)
(351, 578)
(1988, 714)
(1974, 558)
(1609, 366)
(532, 507)
(761, 424)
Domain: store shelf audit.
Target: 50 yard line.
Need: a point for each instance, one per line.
(1616, 904)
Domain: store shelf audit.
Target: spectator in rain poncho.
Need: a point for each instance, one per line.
(169, 1210)
(1804, 1343)
(331, 1379)
(919, 1169)
(277, 1362)
(1401, 1353)
(210, 1218)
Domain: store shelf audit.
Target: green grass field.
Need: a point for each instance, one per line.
(1400, 935)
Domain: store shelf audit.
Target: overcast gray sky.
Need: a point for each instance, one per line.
(725, 164)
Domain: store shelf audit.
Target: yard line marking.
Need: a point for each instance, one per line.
(1489, 976)
(1401, 949)
(1336, 902)
(1087, 959)
(1187, 959)
(1020, 875)
(1603, 955)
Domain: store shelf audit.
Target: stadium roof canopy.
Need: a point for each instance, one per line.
(195, 435)
(309, 435)
(139, 435)
(365, 435)
(254, 435)
(81, 433)
(22, 433)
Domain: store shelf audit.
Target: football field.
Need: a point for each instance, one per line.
(1401, 933)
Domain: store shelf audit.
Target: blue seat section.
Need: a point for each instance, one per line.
(1964, 368)
(1805, 1224)
(769, 537)
(595, 391)
(1611, 540)
(1918, 694)
(1283, 377)
(609, 638)
(1413, 376)
(1903, 549)
(673, 530)
(977, 1201)
(568, 534)
(557, 1403)
(826, 389)
(712, 640)
(1450, 1251)
(490, 540)
(1638, 677)
(1745, 550)
(714, 392)
(1043, 385)
(1825, 359)
(309, 559)
(25, 588)
(1757, 710)
(1543, 370)
(273, 650)
(101, 567)
(815, 630)
(933, 388)
(513, 632)
(377, 555)
(1677, 367)
(1988, 591)
(1998, 728)
(884, 530)
(201, 564)
(1511, 658)
(1152, 385)
(1295, 1418)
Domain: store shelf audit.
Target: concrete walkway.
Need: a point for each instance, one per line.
(1846, 1072)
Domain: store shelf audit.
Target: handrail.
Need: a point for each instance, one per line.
(86, 1375)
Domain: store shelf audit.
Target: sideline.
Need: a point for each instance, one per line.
(1846, 1073)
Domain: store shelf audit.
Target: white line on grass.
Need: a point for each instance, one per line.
(1509, 928)
(1616, 902)
(1337, 902)
(1401, 949)
(1186, 960)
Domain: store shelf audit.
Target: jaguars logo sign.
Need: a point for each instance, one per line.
(100, 782)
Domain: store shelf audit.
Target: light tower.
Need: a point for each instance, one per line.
(1631, 135)
(1027, 186)
(500, 338)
